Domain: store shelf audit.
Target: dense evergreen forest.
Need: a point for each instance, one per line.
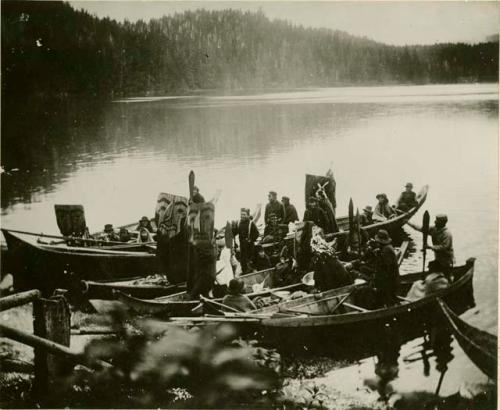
(51, 49)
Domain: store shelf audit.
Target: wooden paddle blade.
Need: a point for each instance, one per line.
(191, 184)
(426, 219)
(351, 215)
(228, 235)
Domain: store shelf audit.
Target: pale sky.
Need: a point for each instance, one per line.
(412, 22)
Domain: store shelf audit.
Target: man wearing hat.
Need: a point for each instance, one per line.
(144, 222)
(442, 244)
(386, 279)
(407, 199)
(235, 297)
(315, 214)
(382, 210)
(273, 214)
(367, 216)
(109, 234)
(247, 233)
(289, 211)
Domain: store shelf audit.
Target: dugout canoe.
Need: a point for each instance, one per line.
(179, 304)
(479, 346)
(47, 265)
(313, 324)
(134, 287)
(341, 320)
(390, 224)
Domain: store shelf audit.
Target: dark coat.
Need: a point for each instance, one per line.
(386, 278)
(407, 200)
(316, 215)
(275, 208)
(329, 273)
(290, 214)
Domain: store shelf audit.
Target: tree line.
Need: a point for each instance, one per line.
(51, 49)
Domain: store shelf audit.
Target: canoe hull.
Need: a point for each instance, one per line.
(338, 333)
(47, 267)
(479, 346)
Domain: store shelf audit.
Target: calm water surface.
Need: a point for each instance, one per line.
(114, 159)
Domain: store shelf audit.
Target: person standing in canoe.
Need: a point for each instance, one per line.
(289, 211)
(235, 297)
(273, 214)
(386, 278)
(442, 244)
(383, 210)
(197, 197)
(247, 233)
(315, 214)
(407, 199)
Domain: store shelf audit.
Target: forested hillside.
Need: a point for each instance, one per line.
(50, 49)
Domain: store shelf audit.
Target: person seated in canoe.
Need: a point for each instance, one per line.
(109, 234)
(408, 199)
(367, 216)
(386, 277)
(261, 261)
(144, 222)
(383, 210)
(124, 235)
(273, 214)
(315, 214)
(197, 197)
(329, 272)
(144, 236)
(235, 297)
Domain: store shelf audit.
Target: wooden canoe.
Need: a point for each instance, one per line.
(389, 225)
(308, 324)
(104, 289)
(48, 266)
(479, 346)
(364, 325)
(179, 303)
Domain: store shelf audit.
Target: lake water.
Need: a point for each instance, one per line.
(115, 158)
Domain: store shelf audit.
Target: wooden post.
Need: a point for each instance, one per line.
(52, 322)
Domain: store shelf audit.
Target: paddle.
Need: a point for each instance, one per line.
(228, 235)
(358, 231)
(425, 232)
(191, 185)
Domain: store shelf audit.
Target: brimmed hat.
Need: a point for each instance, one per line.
(273, 193)
(442, 218)
(245, 210)
(383, 237)
(108, 227)
(285, 198)
(144, 219)
(235, 286)
(409, 185)
(368, 208)
(381, 196)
